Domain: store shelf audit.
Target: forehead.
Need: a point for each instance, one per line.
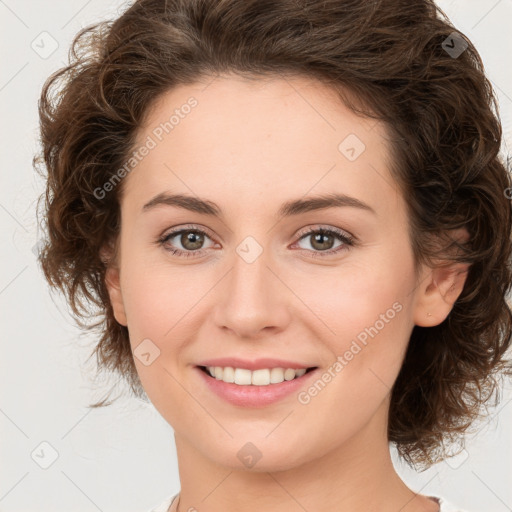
(253, 140)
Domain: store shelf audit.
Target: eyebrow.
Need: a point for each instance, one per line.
(288, 209)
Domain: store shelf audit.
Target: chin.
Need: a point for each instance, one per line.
(256, 457)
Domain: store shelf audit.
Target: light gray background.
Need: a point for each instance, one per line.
(123, 457)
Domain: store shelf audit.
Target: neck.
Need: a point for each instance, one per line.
(356, 476)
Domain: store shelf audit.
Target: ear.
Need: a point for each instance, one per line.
(440, 288)
(113, 284)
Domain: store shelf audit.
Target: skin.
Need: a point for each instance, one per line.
(249, 146)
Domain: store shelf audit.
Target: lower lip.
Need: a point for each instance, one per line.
(254, 396)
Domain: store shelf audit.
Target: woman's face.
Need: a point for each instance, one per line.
(255, 284)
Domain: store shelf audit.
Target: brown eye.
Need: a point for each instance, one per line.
(191, 240)
(322, 241)
(185, 242)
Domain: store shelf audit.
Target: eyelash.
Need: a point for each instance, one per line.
(348, 241)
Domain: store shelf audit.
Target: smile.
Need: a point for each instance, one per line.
(245, 388)
(261, 377)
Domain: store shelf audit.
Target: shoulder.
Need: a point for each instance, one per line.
(164, 505)
(445, 505)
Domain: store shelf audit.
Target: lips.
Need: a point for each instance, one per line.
(255, 395)
(255, 364)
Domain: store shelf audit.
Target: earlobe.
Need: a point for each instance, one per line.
(440, 289)
(112, 282)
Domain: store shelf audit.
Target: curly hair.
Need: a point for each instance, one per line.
(388, 60)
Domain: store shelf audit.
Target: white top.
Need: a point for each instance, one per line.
(444, 506)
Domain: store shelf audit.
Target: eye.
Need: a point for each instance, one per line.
(192, 241)
(190, 238)
(323, 239)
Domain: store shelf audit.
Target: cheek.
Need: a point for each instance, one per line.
(356, 298)
(153, 303)
(163, 300)
(159, 303)
(365, 313)
(371, 324)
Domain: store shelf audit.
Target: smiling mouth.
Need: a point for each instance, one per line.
(263, 377)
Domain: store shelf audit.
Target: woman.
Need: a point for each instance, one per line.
(292, 219)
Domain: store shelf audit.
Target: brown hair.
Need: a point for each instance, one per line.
(391, 57)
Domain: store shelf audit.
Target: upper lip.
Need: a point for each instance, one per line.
(254, 364)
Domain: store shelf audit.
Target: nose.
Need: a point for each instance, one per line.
(252, 300)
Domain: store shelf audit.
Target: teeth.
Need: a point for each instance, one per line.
(262, 377)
